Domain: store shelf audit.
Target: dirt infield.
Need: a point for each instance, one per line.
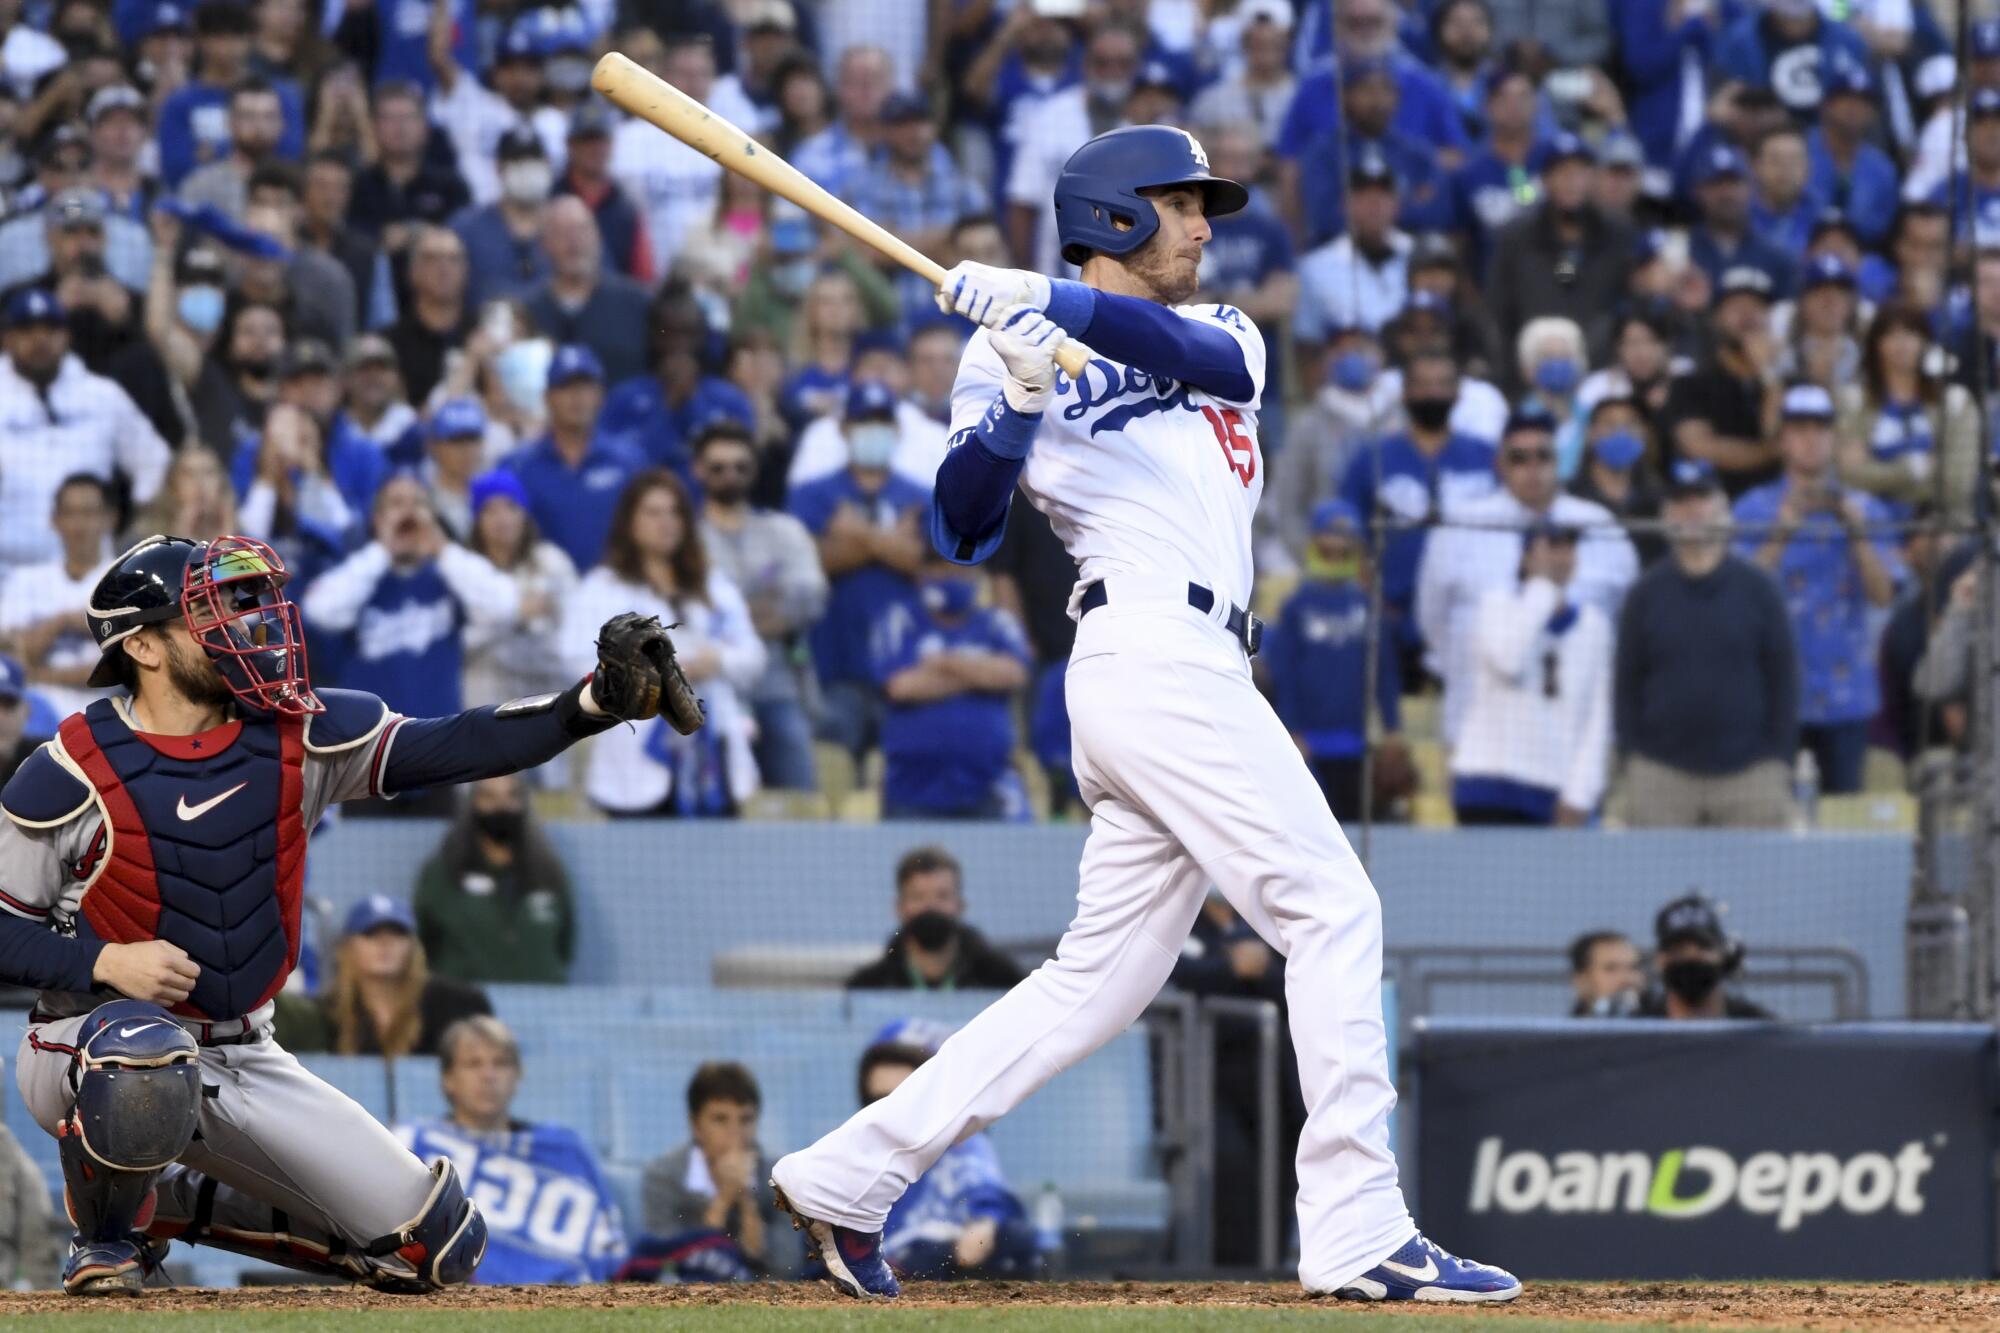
(1893, 1305)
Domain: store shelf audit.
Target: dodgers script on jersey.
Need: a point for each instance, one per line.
(1140, 474)
(550, 1214)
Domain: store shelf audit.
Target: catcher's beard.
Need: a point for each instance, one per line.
(197, 679)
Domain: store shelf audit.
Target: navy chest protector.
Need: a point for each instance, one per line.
(204, 850)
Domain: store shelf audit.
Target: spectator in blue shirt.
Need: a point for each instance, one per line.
(959, 1219)
(1368, 96)
(585, 302)
(1662, 50)
(1424, 109)
(194, 120)
(835, 157)
(1973, 194)
(1784, 205)
(353, 464)
(662, 412)
(912, 186)
(1317, 657)
(870, 524)
(1725, 239)
(1786, 46)
(573, 473)
(1833, 563)
(1500, 179)
(1848, 170)
(503, 239)
(1403, 481)
(949, 670)
(401, 605)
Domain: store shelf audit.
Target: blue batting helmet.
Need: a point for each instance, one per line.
(1100, 186)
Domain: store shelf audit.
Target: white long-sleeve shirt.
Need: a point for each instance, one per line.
(1539, 711)
(336, 598)
(84, 423)
(1479, 548)
(623, 774)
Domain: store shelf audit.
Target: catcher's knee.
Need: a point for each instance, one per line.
(138, 1087)
(442, 1244)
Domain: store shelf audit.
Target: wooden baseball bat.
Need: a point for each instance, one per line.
(653, 99)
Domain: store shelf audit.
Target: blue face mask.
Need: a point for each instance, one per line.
(1619, 450)
(1558, 375)
(1352, 371)
(950, 596)
(200, 308)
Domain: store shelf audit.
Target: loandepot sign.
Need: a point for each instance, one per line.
(1696, 1181)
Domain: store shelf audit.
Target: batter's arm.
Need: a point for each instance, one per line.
(1216, 350)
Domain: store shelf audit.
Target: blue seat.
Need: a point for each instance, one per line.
(365, 1078)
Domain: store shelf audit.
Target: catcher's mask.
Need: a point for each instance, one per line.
(233, 597)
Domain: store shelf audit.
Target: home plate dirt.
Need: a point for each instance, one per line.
(1890, 1305)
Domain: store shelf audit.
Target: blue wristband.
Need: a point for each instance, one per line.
(1071, 306)
(1006, 433)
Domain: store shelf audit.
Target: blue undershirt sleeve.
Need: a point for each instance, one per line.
(1148, 335)
(34, 956)
(975, 483)
(485, 742)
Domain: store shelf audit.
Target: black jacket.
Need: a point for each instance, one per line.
(977, 966)
(1533, 273)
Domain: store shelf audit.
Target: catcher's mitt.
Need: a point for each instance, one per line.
(637, 676)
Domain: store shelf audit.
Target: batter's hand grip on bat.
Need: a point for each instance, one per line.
(651, 98)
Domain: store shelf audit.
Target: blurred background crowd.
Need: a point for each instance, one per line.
(1627, 359)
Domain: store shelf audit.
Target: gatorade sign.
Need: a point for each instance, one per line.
(1690, 1183)
(1667, 1150)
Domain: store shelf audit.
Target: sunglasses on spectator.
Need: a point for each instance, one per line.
(1522, 457)
(741, 468)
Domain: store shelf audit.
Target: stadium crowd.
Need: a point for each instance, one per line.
(1626, 370)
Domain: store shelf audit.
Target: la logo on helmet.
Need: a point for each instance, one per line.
(1194, 146)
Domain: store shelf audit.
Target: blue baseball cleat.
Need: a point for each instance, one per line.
(104, 1268)
(1421, 1271)
(853, 1259)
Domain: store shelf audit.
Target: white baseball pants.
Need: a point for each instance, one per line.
(1191, 781)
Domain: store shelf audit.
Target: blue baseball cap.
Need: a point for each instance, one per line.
(1690, 477)
(792, 237)
(378, 910)
(457, 419)
(902, 107)
(518, 43)
(1371, 167)
(591, 120)
(166, 16)
(1983, 102)
(1565, 146)
(497, 484)
(1647, 245)
(869, 399)
(1529, 415)
(1827, 270)
(1335, 515)
(1744, 280)
(1832, 219)
(1721, 160)
(35, 305)
(1427, 302)
(1356, 68)
(574, 361)
(1985, 40)
(1846, 78)
(13, 679)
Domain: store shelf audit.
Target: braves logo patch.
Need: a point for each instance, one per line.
(86, 865)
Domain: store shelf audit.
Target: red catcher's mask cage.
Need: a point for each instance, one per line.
(233, 597)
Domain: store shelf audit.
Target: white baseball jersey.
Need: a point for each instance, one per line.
(1140, 475)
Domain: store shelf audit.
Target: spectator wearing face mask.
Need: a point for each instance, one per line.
(1604, 974)
(949, 670)
(1618, 473)
(1694, 957)
(1552, 363)
(1316, 654)
(870, 523)
(1341, 418)
(493, 902)
(504, 250)
(933, 947)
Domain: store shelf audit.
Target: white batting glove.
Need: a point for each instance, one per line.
(983, 293)
(1027, 340)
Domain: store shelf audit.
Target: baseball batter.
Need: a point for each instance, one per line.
(152, 860)
(1149, 470)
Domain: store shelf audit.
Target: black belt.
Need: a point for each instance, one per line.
(1243, 627)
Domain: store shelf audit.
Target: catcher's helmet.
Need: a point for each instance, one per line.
(1100, 184)
(231, 593)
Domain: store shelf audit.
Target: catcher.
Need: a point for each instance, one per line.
(151, 864)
